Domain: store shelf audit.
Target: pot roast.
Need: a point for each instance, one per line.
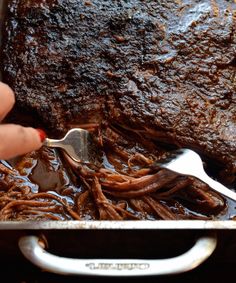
(144, 76)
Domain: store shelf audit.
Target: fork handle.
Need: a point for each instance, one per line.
(53, 143)
(218, 187)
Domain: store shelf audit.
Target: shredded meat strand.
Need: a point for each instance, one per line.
(129, 188)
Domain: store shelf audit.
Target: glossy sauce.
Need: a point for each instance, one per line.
(46, 171)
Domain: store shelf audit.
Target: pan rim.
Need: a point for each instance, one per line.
(120, 225)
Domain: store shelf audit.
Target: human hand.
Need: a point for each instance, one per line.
(14, 139)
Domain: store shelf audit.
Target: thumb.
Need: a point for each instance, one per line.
(17, 140)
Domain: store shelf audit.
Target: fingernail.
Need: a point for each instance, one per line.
(42, 134)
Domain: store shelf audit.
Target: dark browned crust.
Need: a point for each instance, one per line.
(164, 68)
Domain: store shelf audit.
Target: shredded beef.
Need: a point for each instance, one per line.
(149, 75)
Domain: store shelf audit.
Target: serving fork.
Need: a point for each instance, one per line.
(79, 145)
(187, 162)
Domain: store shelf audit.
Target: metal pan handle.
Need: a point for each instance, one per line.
(33, 249)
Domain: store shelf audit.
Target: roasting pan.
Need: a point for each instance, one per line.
(118, 248)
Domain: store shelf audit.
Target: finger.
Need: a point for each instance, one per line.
(17, 140)
(7, 100)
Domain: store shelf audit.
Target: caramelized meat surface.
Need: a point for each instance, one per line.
(139, 73)
(164, 68)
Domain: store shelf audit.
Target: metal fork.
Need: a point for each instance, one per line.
(188, 162)
(79, 145)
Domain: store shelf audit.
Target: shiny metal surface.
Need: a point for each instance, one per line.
(126, 225)
(34, 251)
(188, 162)
(79, 145)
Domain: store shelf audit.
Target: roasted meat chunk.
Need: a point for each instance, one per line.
(164, 69)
